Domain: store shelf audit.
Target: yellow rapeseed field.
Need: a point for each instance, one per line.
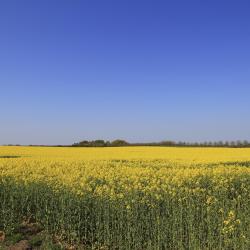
(130, 197)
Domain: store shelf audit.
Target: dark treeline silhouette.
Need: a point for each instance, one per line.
(168, 143)
(101, 143)
(120, 143)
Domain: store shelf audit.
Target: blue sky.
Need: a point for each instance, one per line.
(136, 70)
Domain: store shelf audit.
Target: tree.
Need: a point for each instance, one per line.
(119, 143)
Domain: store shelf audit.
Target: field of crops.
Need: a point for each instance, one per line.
(130, 197)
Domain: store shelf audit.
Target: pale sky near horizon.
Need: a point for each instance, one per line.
(135, 70)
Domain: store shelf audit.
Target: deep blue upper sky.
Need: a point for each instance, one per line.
(137, 70)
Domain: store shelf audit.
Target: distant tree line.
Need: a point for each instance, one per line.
(120, 143)
(101, 143)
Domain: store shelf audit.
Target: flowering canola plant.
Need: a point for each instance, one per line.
(130, 197)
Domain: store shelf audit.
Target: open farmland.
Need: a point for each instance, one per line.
(130, 197)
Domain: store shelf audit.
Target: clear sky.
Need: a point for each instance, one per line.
(135, 70)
